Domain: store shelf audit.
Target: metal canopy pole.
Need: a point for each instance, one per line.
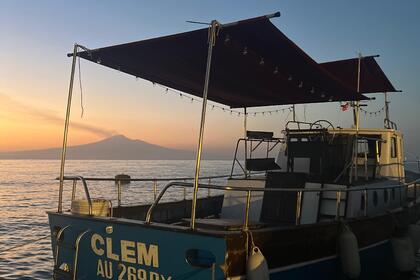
(66, 129)
(212, 40)
(246, 142)
(386, 108)
(357, 117)
(294, 112)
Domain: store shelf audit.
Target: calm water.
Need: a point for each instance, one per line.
(28, 190)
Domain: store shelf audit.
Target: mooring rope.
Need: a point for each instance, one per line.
(24, 244)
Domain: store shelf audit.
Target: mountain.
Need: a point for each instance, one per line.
(117, 147)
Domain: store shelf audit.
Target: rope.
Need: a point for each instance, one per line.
(81, 90)
(24, 244)
(248, 234)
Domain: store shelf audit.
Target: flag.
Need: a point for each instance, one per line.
(344, 107)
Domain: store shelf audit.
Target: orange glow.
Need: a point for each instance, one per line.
(26, 127)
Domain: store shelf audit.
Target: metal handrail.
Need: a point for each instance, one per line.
(390, 124)
(274, 140)
(70, 178)
(249, 190)
(154, 180)
(85, 187)
(316, 125)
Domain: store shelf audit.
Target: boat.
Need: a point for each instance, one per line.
(334, 203)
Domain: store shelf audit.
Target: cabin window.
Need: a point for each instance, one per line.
(362, 202)
(375, 198)
(393, 147)
(370, 146)
(362, 147)
(386, 196)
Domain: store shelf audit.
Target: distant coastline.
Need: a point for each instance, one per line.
(117, 147)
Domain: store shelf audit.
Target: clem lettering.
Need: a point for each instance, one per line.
(130, 251)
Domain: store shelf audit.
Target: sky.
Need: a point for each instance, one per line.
(35, 37)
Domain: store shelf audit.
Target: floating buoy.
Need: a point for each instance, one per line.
(403, 252)
(349, 253)
(413, 231)
(256, 266)
(123, 178)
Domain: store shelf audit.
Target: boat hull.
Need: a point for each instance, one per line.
(295, 252)
(110, 249)
(376, 260)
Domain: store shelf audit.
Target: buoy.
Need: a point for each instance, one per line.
(349, 253)
(123, 178)
(413, 231)
(403, 252)
(256, 266)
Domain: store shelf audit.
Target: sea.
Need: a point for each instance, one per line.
(29, 188)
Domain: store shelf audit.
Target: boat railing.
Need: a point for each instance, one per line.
(299, 191)
(319, 125)
(390, 124)
(251, 145)
(120, 181)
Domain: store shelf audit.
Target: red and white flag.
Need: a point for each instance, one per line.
(345, 106)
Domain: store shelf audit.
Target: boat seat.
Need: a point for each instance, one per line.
(280, 207)
(261, 164)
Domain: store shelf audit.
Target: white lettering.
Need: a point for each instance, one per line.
(108, 269)
(109, 253)
(141, 274)
(122, 273)
(147, 257)
(128, 253)
(154, 275)
(131, 273)
(93, 242)
(100, 269)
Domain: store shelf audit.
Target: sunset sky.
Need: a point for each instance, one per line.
(35, 37)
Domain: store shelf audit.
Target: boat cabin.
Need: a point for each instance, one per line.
(317, 157)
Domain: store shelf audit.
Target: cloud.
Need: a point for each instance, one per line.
(15, 110)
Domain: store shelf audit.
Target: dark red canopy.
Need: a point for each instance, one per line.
(253, 64)
(372, 78)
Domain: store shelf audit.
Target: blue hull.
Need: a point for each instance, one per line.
(376, 261)
(135, 251)
(131, 251)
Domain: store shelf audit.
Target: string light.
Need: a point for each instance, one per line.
(261, 62)
(224, 109)
(378, 112)
(245, 51)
